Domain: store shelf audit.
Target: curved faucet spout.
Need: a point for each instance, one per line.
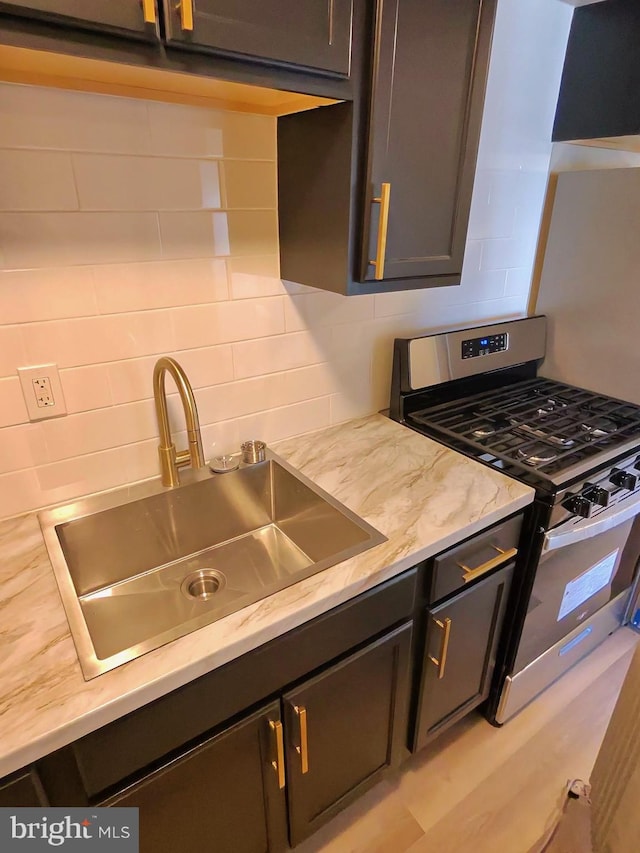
(170, 458)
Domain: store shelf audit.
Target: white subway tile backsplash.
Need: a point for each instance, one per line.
(139, 287)
(101, 429)
(194, 234)
(249, 184)
(71, 239)
(33, 117)
(252, 232)
(27, 296)
(501, 254)
(13, 350)
(20, 492)
(70, 478)
(108, 182)
(254, 276)
(276, 424)
(326, 309)
(224, 322)
(36, 180)
(131, 380)
(68, 343)
(86, 388)
(94, 340)
(518, 281)
(22, 446)
(12, 406)
(184, 131)
(282, 352)
(235, 399)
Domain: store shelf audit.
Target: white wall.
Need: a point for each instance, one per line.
(132, 229)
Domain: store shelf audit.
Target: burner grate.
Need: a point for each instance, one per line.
(539, 423)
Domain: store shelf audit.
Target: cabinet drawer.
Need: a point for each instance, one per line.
(22, 789)
(458, 567)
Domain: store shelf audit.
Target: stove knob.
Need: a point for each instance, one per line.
(597, 495)
(624, 479)
(578, 505)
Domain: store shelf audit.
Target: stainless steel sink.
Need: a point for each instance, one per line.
(140, 567)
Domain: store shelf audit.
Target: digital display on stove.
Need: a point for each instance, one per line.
(475, 347)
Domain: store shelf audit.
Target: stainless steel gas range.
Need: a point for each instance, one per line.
(478, 391)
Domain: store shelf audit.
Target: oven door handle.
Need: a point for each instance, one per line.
(588, 527)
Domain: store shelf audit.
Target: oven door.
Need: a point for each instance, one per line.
(585, 563)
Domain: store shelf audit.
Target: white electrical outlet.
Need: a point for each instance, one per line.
(42, 391)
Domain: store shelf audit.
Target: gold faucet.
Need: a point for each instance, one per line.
(170, 458)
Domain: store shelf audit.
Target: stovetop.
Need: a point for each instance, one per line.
(538, 428)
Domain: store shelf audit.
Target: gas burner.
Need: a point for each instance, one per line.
(545, 435)
(599, 427)
(484, 431)
(537, 455)
(551, 404)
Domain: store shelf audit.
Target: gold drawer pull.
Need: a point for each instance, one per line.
(383, 224)
(149, 11)
(503, 557)
(278, 764)
(444, 650)
(303, 749)
(186, 14)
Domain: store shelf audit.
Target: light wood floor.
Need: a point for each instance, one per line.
(488, 790)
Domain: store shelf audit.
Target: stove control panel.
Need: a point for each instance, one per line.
(474, 347)
(602, 493)
(623, 479)
(578, 505)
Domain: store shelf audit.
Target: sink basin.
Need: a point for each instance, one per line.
(139, 567)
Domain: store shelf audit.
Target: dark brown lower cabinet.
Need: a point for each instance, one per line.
(343, 729)
(224, 796)
(22, 789)
(462, 636)
(340, 730)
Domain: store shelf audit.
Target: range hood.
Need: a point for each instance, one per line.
(599, 101)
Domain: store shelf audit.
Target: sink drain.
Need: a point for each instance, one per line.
(202, 585)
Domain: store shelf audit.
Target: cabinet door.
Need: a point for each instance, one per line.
(224, 796)
(343, 728)
(460, 650)
(21, 790)
(310, 33)
(430, 69)
(133, 16)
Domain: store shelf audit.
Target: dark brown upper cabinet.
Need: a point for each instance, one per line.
(600, 88)
(315, 34)
(375, 194)
(426, 107)
(133, 17)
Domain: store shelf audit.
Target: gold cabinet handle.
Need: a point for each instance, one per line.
(149, 11)
(383, 225)
(186, 14)
(278, 764)
(441, 663)
(303, 749)
(503, 557)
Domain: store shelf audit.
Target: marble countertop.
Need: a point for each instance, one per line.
(420, 495)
